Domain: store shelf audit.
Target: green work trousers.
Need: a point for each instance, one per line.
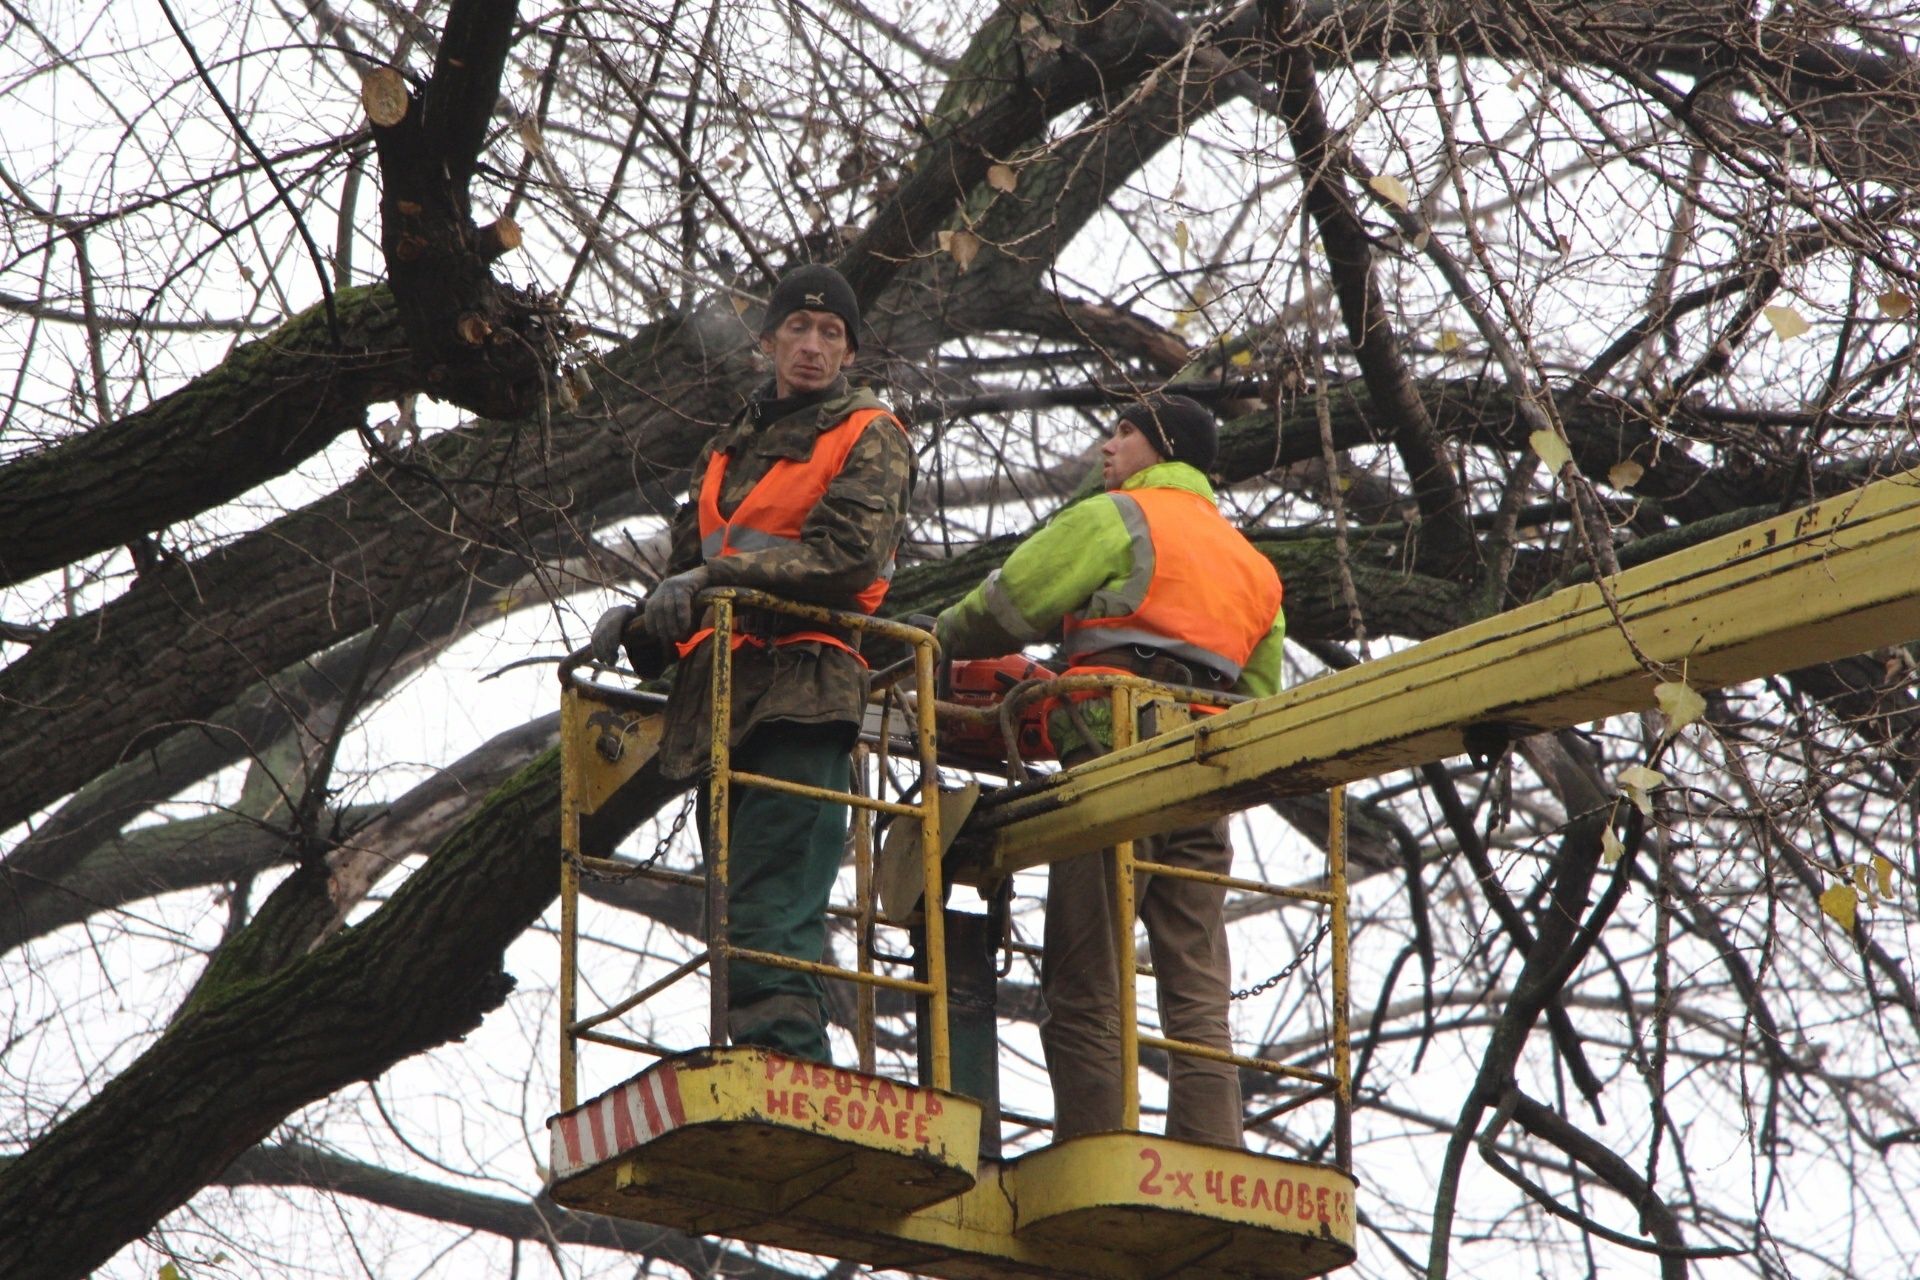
(784, 852)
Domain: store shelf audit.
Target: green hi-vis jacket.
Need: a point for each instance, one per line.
(1085, 550)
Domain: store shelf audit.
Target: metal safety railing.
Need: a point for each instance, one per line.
(583, 789)
(1135, 702)
(1129, 697)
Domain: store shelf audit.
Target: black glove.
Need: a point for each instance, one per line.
(670, 606)
(942, 628)
(610, 631)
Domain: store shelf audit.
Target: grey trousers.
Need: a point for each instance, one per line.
(1187, 937)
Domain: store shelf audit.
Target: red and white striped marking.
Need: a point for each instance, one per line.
(617, 1122)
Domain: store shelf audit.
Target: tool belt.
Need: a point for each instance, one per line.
(1156, 664)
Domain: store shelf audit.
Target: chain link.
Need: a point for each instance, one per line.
(1313, 945)
(660, 848)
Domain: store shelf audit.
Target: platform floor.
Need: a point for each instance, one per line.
(749, 1144)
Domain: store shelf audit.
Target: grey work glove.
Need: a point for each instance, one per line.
(670, 606)
(610, 631)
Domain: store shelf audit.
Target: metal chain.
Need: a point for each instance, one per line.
(1313, 945)
(678, 825)
(660, 848)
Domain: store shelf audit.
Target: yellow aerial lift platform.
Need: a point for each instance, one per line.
(746, 1143)
(751, 1144)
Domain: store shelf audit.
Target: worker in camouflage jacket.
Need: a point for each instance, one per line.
(1149, 579)
(804, 495)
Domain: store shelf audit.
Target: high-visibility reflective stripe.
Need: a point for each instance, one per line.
(727, 541)
(757, 539)
(1140, 533)
(1094, 639)
(1002, 609)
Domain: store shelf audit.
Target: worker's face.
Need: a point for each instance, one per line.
(1126, 451)
(809, 349)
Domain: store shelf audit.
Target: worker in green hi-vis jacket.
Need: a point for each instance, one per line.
(1146, 578)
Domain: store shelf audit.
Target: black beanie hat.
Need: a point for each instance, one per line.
(1181, 429)
(815, 288)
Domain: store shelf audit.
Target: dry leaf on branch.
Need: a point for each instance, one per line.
(961, 246)
(1787, 323)
(1391, 189)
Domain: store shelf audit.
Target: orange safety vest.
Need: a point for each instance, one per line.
(1199, 591)
(774, 512)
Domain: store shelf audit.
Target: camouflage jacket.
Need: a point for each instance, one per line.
(847, 541)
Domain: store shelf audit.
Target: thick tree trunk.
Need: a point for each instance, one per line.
(286, 705)
(96, 688)
(268, 407)
(424, 970)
